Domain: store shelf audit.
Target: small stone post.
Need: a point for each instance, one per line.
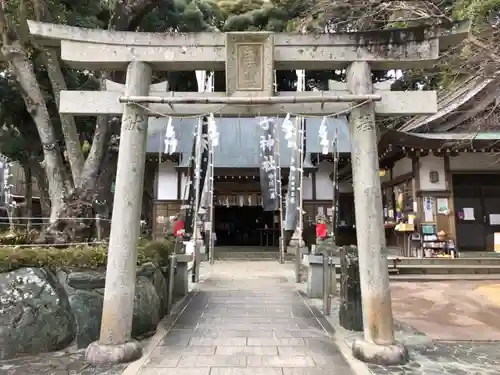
(378, 345)
(98, 227)
(115, 344)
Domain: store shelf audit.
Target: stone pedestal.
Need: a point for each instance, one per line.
(315, 276)
(296, 239)
(293, 250)
(181, 280)
(350, 311)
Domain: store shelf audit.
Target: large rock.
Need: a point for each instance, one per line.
(86, 280)
(35, 315)
(87, 309)
(86, 296)
(159, 279)
(146, 308)
(42, 312)
(350, 309)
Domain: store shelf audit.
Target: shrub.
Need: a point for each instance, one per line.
(92, 257)
(17, 237)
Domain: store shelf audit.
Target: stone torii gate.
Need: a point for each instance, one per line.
(249, 60)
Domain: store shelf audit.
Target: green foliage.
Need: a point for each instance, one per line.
(243, 15)
(482, 13)
(184, 16)
(17, 237)
(78, 257)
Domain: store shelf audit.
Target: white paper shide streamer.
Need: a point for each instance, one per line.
(213, 133)
(323, 136)
(9, 202)
(288, 131)
(171, 141)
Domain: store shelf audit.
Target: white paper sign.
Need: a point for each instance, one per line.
(494, 219)
(428, 209)
(442, 205)
(469, 213)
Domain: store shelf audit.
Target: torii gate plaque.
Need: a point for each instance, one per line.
(249, 64)
(249, 59)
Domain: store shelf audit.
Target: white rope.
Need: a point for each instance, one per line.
(334, 114)
(155, 113)
(59, 218)
(57, 244)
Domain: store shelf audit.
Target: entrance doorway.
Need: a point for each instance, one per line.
(245, 226)
(477, 210)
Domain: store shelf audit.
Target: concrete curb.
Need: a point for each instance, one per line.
(153, 342)
(338, 335)
(357, 366)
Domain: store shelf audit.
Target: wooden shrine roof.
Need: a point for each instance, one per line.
(465, 101)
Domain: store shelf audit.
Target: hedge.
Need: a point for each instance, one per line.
(92, 257)
(18, 237)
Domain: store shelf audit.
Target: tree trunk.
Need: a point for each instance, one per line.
(36, 106)
(148, 195)
(56, 76)
(100, 143)
(14, 53)
(93, 194)
(28, 195)
(71, 139)
(43, 187)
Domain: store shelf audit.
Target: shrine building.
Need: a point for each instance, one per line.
(239, 217)
(446, 168)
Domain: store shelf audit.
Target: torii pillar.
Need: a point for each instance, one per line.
(115, 344)
(378, 345)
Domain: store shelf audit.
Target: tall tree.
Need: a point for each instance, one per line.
(78, 177)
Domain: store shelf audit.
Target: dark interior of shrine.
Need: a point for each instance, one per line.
(244, 226)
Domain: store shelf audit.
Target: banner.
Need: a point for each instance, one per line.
(268, 166)
(190, 214)
(292, 197)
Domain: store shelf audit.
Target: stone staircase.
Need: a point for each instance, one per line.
(472, 266)
(248, 253)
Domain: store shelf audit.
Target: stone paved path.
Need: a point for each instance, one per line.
(246, 318)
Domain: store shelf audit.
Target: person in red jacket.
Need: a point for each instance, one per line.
(321, 229)
(178, 229)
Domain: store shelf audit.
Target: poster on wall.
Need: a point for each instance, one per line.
(494, 219)
(428, 209)
(442, 205)
(469, 214)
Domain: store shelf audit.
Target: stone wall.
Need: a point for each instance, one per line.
(43, 311)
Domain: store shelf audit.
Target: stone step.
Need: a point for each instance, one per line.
(439, 277)
(246, 255)
(485, 261)
(442, 277)
(448, 269)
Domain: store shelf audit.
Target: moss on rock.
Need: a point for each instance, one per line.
(92, 257)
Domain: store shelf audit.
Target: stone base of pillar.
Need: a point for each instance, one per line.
(99, 353)
(385, 355)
